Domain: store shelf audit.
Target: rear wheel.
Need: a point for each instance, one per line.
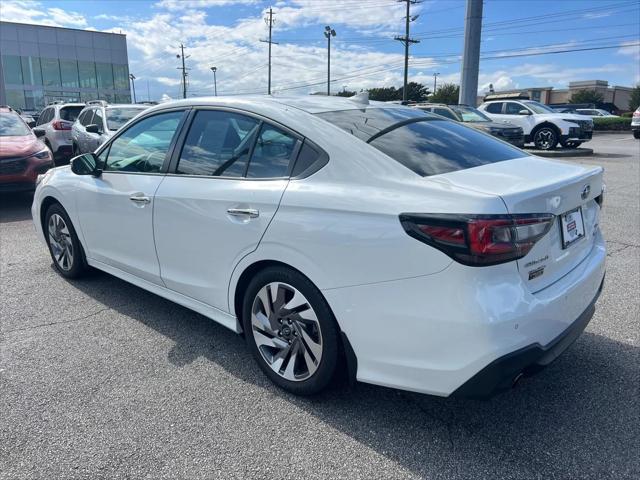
(290, 330)
(545, 138)
(64, 246)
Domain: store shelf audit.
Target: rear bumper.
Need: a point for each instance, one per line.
(504, 372)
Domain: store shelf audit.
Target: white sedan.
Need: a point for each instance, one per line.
(341, 234)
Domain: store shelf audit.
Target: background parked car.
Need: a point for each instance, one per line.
(98, 122)
(478, 120)
(542, 125)
(56, 120)
(635, 123)
(22, 155)
(595, 112)
(27, 117)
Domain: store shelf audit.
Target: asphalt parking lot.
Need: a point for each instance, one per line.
(100, 379)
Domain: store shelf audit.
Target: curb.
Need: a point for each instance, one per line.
(561, 152)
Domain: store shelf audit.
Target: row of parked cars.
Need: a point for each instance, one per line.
(30, 147)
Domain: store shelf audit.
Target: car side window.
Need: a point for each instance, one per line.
(44, 116)
(494, 107)
(144, 145)
(98, 119)
(218, 144)
(445, 113)
(87, 117)
(513, 108)
(272, 154)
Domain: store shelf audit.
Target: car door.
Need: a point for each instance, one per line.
(116, 208)
(214, 208)
(512, 115)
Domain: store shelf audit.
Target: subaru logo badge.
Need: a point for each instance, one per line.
(585, 191)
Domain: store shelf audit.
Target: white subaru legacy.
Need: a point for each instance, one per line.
(336, 234)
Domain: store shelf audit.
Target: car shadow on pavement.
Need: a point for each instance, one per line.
(15, 207)
(576, 419)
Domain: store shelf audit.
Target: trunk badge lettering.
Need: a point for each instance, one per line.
(536, 273)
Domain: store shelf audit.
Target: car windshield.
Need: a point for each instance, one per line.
(70, 113)
(11, 125)
(425, 143)
(538, 107)
(470, 114)
(117, 117)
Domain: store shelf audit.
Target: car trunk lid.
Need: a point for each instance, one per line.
(534, 185)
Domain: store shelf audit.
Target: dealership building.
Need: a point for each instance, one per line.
(42, 64)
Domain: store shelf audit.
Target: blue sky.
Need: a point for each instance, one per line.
(517, 38)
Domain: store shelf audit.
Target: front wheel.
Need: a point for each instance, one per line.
(545, 138)
(64, 246)
(290, 330)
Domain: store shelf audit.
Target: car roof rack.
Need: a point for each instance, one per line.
(102, 103)
(56, 102)
(507, 96)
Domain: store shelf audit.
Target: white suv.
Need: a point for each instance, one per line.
(542, 126)
(55, 121)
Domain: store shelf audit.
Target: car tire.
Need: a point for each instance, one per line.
(64, 246)
(545, 138)
(291, 330)
(74, 150)
(571, 144)
(636, 134)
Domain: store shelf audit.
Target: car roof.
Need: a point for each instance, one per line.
(308, 103)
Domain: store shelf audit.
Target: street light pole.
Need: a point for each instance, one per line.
(215, 85)
(132, 77)
(435, 81)
(329, 32)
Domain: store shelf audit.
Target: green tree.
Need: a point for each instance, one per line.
(385, 94)
(586, 96)
(346, 93)
(448, 93)
(634, 101)
(416, 92)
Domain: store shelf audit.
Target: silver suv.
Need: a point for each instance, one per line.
(97, 122)
(55, 121)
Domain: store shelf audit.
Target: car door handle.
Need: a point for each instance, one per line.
(243, 212)
(140, 199)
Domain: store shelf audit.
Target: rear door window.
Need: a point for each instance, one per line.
(272, 154)
(494, 107)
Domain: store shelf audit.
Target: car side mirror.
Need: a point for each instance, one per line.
(86, 164)
(524, 112)
(39, 132)
(31, 123)
(93, 128)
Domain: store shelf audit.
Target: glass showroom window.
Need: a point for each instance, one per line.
(123, 98)
(105, 75)
(33, 99)
(50, 72)
(31, 73)
(88, 96)
(15, 98)
(87, 71)
(121, 77)
(69, 73)
(12, 69)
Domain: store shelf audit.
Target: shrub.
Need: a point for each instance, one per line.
(627, 114)
(604, 123)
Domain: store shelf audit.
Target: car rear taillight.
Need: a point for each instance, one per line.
(478, 240)
(61, 125)
(636, 114)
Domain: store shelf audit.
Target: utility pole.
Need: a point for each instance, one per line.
(406, 41)
(148, 93)
(215, 83)
(269, 21)
(132, 77)
(471, 54)
(435, 81)
(184, 70)
(329, 32)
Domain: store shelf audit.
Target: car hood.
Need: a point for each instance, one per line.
(20, 146)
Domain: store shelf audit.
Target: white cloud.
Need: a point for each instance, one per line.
(23, 11)
(631, 49)
(188, 4)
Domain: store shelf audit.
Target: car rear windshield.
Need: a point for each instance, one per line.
(70, 113)
(424, 143)
(117, 117)
(11, 125)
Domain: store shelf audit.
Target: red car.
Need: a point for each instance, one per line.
(22, 155)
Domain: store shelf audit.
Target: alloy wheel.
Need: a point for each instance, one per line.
(60, 242)
(545, 139)
(286, 331)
